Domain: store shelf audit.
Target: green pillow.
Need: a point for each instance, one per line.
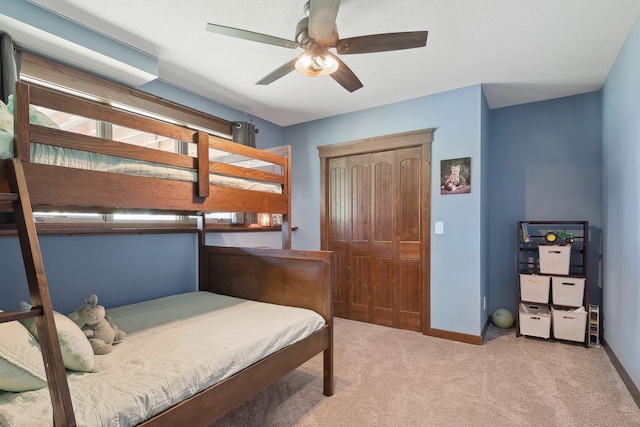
(21, 365)
(6, 118)
(36, 116)
(6, 132)
(77, 353)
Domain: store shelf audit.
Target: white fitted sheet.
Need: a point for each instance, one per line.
(175, 347)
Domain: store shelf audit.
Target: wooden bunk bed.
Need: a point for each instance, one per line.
(278, 276)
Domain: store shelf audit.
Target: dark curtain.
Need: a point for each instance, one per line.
(9, 66)
(244, 133)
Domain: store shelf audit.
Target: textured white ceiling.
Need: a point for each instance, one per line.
(521, 51)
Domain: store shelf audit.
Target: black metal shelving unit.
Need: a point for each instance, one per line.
(528, 259)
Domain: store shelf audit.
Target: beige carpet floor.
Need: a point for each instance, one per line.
(390, 377)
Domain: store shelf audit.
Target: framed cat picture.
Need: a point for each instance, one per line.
(455, 176)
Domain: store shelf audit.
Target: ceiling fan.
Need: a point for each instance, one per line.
(316, 34)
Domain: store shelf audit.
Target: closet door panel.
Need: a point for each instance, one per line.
(384, 300)
(409, 195)
(337, 227)
(408, 238)
(382, 241)
(359, 197)
(409, 294)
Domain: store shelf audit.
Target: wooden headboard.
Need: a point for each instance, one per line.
(289, 277)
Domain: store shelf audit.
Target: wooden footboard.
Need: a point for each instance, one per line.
(278, 276)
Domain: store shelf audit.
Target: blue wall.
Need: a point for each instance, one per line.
(119, 269)
(457, 116)
(621, 142)
(546, 165)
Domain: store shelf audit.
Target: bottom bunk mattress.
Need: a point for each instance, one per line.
(175, 347)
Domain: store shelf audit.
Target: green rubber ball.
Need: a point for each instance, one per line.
(502, 318)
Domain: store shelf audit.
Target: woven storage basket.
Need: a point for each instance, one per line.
(534, 288)
(568, 325)
(567, 291)
(554, 259)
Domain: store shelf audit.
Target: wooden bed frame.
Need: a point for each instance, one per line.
(280, 276)
(49, 185)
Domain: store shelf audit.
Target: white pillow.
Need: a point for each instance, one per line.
(77, 353)
(21, 365)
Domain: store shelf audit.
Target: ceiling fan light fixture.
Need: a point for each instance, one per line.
(315, 62)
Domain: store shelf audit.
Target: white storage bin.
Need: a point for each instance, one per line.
(554, 259)
(569, 325)
(567, 290)
(535, 321)
(534, 288)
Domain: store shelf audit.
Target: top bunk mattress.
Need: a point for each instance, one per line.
(175, 347)
(66, 157)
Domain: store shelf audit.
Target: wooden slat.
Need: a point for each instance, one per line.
(202, 141)
(38, 289)
(91, 109)
(242, 172)
(59, 138)
(235, 148)
(8, 316)
(8, 197)
(58, 186)
(51, 71)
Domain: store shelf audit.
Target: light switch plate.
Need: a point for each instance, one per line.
(439, 227)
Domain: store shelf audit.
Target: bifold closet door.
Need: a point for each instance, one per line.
(374, 232)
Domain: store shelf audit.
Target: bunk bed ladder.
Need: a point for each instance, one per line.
(42, 309)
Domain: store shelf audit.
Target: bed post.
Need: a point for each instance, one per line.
(328, 274)
(286, 220)
(202, 258)
(202, 141)
(22, 129)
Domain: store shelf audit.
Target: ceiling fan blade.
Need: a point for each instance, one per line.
(322, 19)
(280, 72)
(250, 35)
(345, 77)
(382, 42)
